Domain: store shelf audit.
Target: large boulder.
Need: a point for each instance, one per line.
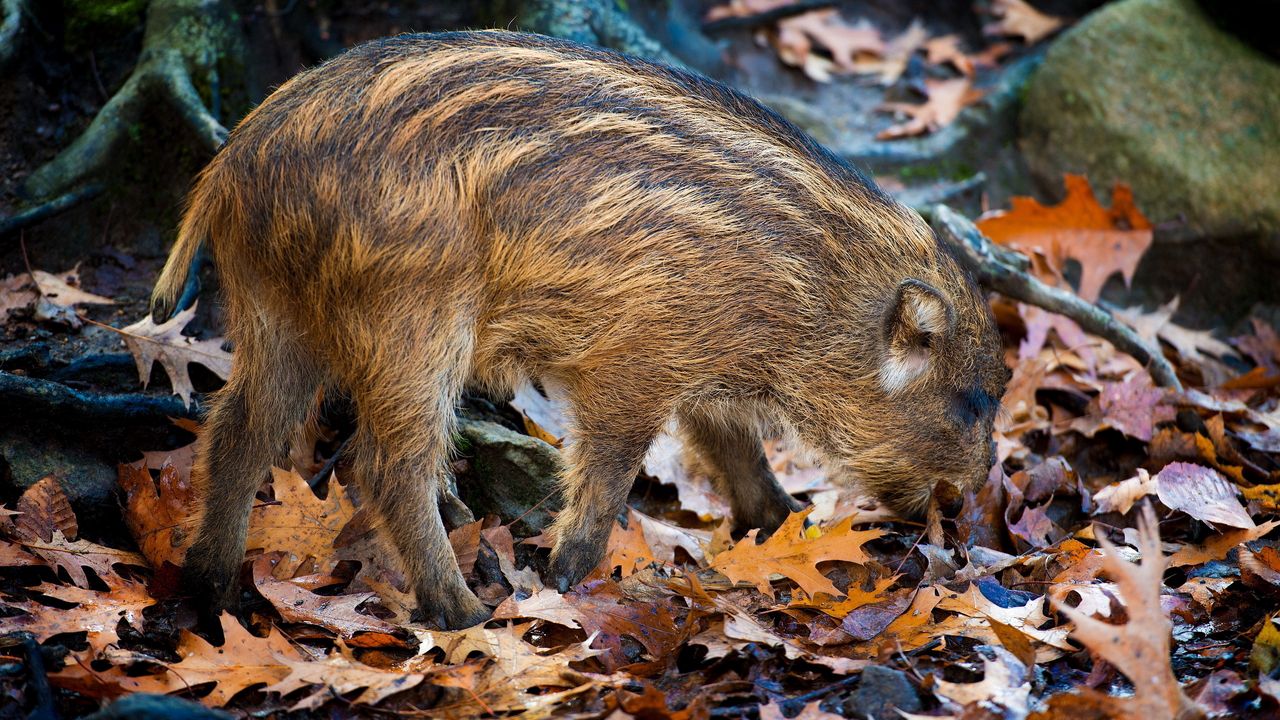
(1152, 93)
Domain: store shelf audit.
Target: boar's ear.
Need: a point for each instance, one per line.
(919, 316)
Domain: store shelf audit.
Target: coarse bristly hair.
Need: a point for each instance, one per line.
(427, 212)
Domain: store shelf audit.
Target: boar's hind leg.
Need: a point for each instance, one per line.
(602, 462)
(739, 469)
(404, 417)
(270, 391)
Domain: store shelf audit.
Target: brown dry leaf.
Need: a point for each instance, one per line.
(299, 523)
(76, 556)
(1203, 493)
(1267, 497)
(1018, 18)
(603, 612)
(158, 512)
(1005, 685)
(1141, 647)
(1104, 241)
(337, 613)
(1192, 345)
(517, 677)
(946, 99)
(1133, 407)
(242, 661)
(1119, 497)
(628, 549)
(794, 553)
(44, 508)
(1218, 546)
(663, 538)
(97, 613)
(799, 35)
(812, 711)
(53, 297)
(946, 49)
(741, 625)
(151, 343)
(338, 674)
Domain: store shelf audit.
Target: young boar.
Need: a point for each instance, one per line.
(429, 212)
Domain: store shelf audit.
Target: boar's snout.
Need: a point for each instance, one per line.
(941, 378)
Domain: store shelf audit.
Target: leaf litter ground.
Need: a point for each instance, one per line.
(1120, 562)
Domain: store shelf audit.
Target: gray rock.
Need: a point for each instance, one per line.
(88, 480)
(1151, 93)
(512, 475)
(881, 692)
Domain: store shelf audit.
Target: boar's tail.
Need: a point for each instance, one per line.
(178, 283)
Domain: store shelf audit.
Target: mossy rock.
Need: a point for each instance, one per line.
(1151, 93)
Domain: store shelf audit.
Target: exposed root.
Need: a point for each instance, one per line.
(60, 204)
(1006, 272)
(183, 43)
(57, 400)
(12, 13)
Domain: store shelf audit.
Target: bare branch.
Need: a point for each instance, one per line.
(1005, 272)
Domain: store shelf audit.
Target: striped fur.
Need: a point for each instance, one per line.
(432, 211)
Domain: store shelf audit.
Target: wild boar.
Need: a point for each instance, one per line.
(428, 212)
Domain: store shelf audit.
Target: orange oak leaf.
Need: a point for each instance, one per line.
(299, 523)
(242, 661)
(1141, 647)
(97, 613)
(792, 553)
(1104, 241)
(158, 512)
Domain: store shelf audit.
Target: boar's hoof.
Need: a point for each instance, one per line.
(213, 592)
(458, 614)
(571, 561)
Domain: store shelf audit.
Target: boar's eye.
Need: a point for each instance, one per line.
(971, 405)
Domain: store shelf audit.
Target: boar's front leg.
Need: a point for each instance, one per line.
(602, 461)
(735, 458)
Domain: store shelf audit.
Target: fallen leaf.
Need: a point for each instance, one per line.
(946, 98)
(1104, 241)
(151, 343)
(43, 509)
(1119, 497)
(52, 297)
(1218, 546)
(792, 553)
(242, 661)
(1016, 17)
(337, 675)
(337, 613)
(1141, 647)
(299, 523)
(1203, 494)
(159, 513)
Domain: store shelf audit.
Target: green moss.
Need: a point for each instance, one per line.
(918, 174)
(88, 20)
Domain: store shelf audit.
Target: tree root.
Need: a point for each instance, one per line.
(183, 43)
(595, 22)
(1005, 272)
(12, 13)
(58, 400)
(43, 211)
